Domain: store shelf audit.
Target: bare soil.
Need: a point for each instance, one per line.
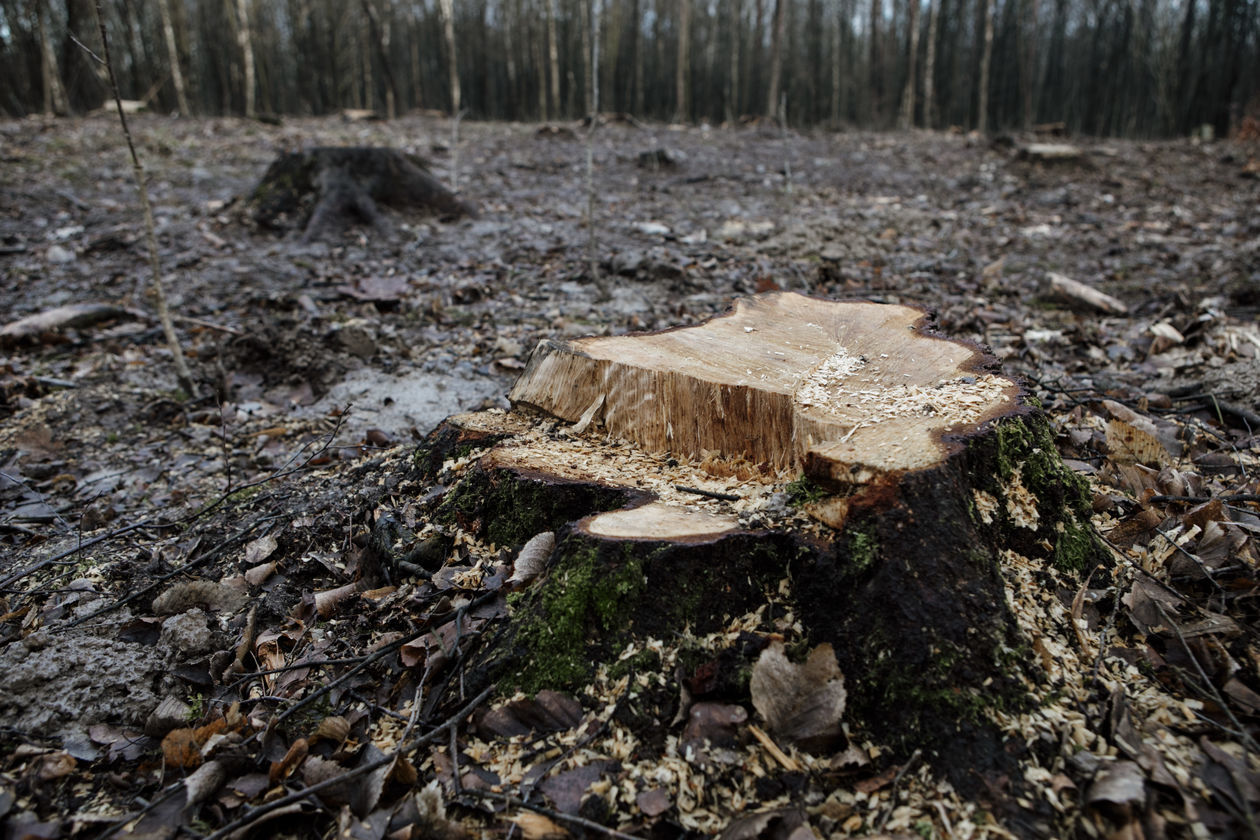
(287, 491)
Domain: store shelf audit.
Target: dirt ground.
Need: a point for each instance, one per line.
(158, 547)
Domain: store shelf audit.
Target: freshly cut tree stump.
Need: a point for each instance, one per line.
(325, 189)
(833, 464)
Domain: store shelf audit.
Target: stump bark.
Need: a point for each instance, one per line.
(325, 189)
(835, 468)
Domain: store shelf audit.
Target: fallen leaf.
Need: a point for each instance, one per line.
(801, 704)
(537, 827)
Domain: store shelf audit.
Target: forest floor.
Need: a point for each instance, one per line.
(213, 553)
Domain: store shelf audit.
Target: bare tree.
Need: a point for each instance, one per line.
(245, 43)
(452, 60)
(172, 52)
(553, 54)
(907, 98)
(776, 60)
(736, 12)
(682, 68)
(929, 66)
(986, 60)
(54, 93)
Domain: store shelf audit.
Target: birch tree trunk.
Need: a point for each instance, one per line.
(245, 42)
(907, 99)
(172, 52)
(448, 31)
(776, 60)
(54, 93)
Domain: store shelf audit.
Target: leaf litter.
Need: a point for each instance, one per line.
(246, 593)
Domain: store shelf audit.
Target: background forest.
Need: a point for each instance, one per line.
(1136, 68)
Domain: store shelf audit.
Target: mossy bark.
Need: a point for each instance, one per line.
(909, 590)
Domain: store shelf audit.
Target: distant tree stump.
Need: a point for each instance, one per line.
(325, 189)
(839, 459)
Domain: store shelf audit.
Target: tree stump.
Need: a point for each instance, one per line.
(833, 467)
(325, 189)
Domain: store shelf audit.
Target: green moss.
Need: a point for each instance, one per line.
(863, 550)
(586, 597)
(643, 662)
(804, 491)
(1075, 546)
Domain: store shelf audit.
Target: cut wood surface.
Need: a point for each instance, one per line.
(846, 391)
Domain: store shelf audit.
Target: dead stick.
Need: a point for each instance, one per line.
(571, 819)
(892, 795)
(708, 494)
(181, 366)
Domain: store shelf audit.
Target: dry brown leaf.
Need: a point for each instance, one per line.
(334, 728)
(260, 549)
(537, 827)
(1129, 443)
(257, 575)
(327, 602)
(281, 769)
(801, 704)
(532, 559)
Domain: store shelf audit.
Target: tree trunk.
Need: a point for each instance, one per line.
(245, 42)
(452, 60)
(907, 99)
(929, 67)
(986, 59)
(923, 473)
(553, 55)
(682, 67)
(54, 93)
(837, 38)
(732, 78)
(172, 52)
(776, 60)
(874, 76)
(1028, 66)
(380, 41)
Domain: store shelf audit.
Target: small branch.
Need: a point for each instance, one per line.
(708, 494)
(164, 315)
(892, 795)
(1198, 500)
(571, 819)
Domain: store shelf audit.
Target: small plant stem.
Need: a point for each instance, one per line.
(164, 314)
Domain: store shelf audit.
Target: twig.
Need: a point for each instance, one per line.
(892, 795)
(1246, 741)
(258, 813)
(283, 472)
(708, 494)
(1196, 500)
(177, 352)
(571, 819)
